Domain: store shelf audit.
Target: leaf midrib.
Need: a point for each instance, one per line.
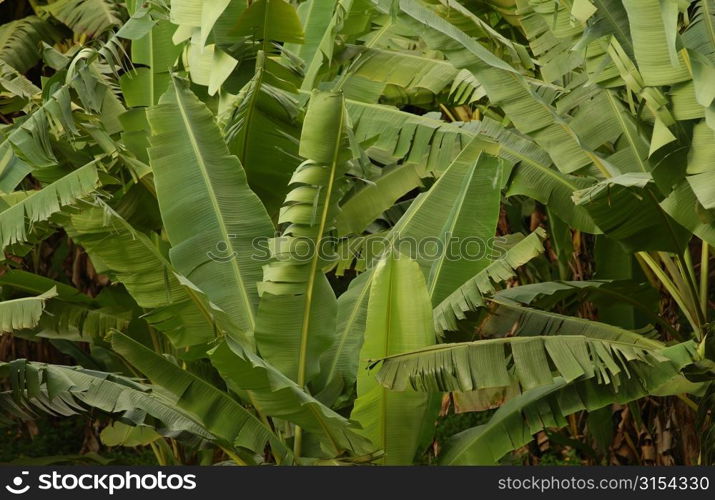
(351, 319)
(214, 203)
(388, 330)
(302, 355)
(251, 108)
(452, 222)
(626, 132)
(509, 340)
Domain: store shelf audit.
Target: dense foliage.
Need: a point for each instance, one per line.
(303, 232)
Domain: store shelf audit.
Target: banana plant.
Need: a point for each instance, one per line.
(309, 220)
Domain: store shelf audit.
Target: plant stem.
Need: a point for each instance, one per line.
(646, 270)
(688, 262)
(175, 451)
(671, 288)
(686, 286)
(158, 454)
(689, 402)
(233, 456)
(155, 341)
(686, 265)
(675, 274)
(297, 441)
(704, 271)
(447, 112)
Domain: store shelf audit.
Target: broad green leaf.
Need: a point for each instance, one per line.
(211, 216)
(551, 31)
(654, 28)
(68, 390)
(199, 14)
(611, 19)
(396, 136)
(368, 202)
(685, 208)
(339, 365)
(509, 317)
(504, 86)
(661, 136)
(80, 323)
(276, 395)
(321, 36)
(470, 295)
(34, 283)
(224, 417)
(23, 313)
(514, 424)
(261, 125)
(700, 33)
(16, 221)
(119, 434)
(633, 150)
(209, 65)
(404, 77)
(476, 26)
(703, 73)
(19, 39)
(431, 145)
(533, 361)
(157, 53)
(439, 212)
(699, 38)
(127, 255)
(315, 17)
(132, 258)
(701, 157)
(398, 319)
(15, 82)
(639, 223)
(29, 147)
(703, 186)
(583, 10)
(701, 165)
(270, 20)
(86, 17)
(473, 219)
(296, 316)
(617, 300)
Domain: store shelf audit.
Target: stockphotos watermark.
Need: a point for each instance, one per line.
(332, 249)
(101, 483)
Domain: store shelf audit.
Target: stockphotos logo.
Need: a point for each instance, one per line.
(109, 483)
(17, 486)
